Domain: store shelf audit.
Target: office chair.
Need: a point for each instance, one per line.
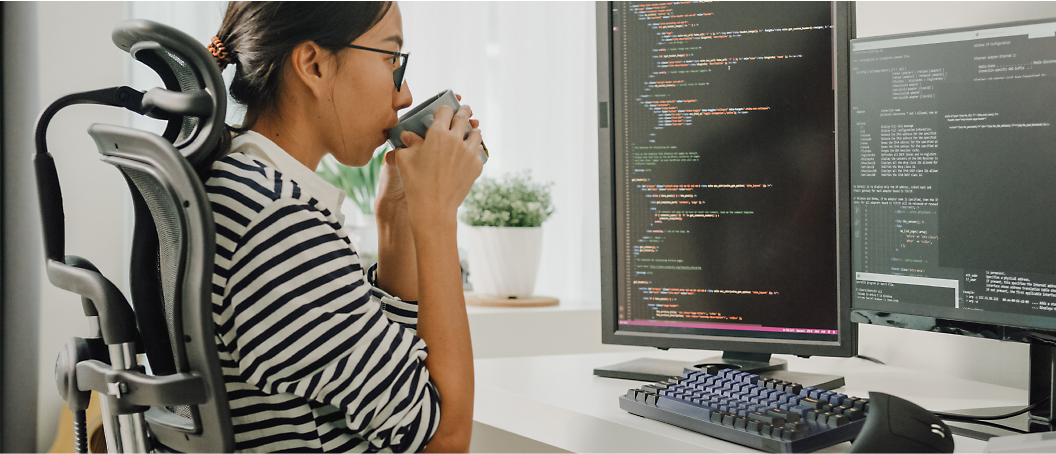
(180, 404)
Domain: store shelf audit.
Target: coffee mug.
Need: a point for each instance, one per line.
(420, 118)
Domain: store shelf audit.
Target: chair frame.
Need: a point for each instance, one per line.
(133, 402)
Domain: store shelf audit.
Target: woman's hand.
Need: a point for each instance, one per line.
(391, 201)
(435, 173)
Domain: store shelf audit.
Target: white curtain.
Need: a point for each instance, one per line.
(528, 69)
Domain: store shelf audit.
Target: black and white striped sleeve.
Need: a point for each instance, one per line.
(299, 318)
(397, 310)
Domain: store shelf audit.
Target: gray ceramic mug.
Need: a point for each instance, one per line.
(420, 118)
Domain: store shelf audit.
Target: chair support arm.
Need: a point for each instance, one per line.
(131, 391)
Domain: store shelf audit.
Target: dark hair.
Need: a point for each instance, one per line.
(260, 37)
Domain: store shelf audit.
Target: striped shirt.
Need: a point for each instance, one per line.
(315, 357)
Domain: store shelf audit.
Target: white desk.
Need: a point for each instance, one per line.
(555, 403)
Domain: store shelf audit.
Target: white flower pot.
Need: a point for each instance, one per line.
(503, 261)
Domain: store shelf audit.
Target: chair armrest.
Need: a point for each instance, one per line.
(131, 391)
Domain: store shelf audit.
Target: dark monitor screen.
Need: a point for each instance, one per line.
(720, 181)
(952, 174)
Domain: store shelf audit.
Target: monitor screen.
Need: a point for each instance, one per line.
(953, 144)
(720, 181)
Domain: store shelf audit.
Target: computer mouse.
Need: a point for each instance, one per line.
(898, 425)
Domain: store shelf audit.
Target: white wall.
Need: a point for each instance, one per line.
(72, 52)
(21, 289)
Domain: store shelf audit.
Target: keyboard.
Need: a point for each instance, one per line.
(744, 408)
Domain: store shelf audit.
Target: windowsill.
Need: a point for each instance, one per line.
(562, 306)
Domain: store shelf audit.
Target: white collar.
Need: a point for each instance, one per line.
(255, 145)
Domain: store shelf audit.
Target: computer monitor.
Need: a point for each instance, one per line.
(723, 199)
(953, 196)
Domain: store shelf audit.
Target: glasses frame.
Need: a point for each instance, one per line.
(397, 74)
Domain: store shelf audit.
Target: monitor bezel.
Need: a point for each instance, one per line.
(843, 31)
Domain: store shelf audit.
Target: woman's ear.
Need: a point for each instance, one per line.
(313, 66)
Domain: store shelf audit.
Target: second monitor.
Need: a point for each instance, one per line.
(722, 213)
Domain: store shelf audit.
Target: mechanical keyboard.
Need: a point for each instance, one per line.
(744, 408)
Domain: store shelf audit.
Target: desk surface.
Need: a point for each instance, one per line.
(558, 401)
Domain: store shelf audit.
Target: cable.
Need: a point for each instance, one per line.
(80, 432)
(999, 426)
(870, 358)
(959, 417)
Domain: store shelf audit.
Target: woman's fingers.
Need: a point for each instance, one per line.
(442, 118)
(475, 140)
(460, 122)
(410, 139)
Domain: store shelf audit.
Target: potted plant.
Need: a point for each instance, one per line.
(505, 234)
(361, 188)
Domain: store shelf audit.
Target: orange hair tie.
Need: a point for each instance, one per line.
(219, 52)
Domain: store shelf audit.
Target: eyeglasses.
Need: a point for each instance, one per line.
(397, 74)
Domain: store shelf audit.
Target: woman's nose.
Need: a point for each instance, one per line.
(403, 98)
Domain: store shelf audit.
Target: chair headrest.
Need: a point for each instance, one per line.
(194, 100)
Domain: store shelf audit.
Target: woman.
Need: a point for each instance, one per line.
(319, 354)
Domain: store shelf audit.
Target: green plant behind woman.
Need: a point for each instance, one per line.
(360, 183)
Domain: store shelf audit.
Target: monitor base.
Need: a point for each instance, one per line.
(653, 370)
(1042, 388)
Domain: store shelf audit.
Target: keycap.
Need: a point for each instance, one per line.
(835, 421)
(698, 411)
(800, 410)
(787, 416)
(813, 404)
(792, 435)
(853, 414)
(716, 416)
(752, 426)
(862, 404)
(655, 387)
(740, 423)
(766, 418)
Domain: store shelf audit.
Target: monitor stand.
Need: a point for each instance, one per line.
(1042, 386)
(651, 369)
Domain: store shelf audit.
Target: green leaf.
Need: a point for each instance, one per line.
(360, 184)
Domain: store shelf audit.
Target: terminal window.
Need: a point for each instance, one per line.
(952, 173)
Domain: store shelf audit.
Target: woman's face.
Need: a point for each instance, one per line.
(365, 99)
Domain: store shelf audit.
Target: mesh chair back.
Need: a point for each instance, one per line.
(173, 200)
(173, 238)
